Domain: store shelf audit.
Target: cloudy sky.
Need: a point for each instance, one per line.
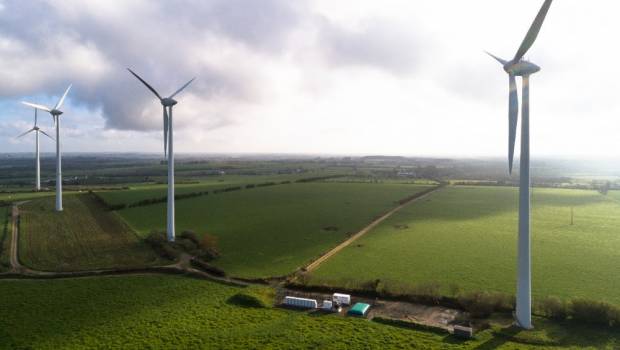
(332, 77)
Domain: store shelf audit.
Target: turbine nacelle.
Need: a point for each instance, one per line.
(521, 68)
(55, 112)
(168, 102)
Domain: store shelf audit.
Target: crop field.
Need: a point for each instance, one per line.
(163, 312)
(271, 231)
(468, 235)
(141, 192)
(83, 236)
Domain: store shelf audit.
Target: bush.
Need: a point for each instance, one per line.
(594, 312)
(190, 235)
(209, 246)
(254, 296)
(554, 308)
(483, 304)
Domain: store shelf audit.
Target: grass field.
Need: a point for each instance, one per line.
(5, 238)
(21, 196)
(140, 192)
(83, 236)
(468, 236)
(164, 312)
(271, 231)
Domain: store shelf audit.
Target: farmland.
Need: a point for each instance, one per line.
(83, 236)
(139, 192)
(467, 236)
(272, 231)
(162, 312)
(5, 237)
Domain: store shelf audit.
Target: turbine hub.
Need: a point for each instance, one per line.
(168, 102)
(55, 112)
(521, 68)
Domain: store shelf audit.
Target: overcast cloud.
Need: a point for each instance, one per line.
(315, 76)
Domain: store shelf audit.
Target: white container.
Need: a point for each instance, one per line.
(342, 299)
(327, 305)
(300, 302)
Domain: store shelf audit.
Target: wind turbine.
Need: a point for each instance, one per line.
(519, 67)
(55, 112)
(37, 130)
(167, 103)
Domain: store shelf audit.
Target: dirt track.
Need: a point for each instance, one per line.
(313, 265)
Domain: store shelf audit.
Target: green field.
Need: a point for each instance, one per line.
(467, 236)
(138, 192)
(271, 231)
(5, 238)
(83, 236)
(21, 196)
(164, 312)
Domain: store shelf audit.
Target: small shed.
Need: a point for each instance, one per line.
(359, 309)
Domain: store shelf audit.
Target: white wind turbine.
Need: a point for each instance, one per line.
(519, 67)
(55, 112)
(167, 103)
(37, 130)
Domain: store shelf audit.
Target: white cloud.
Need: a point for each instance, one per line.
(392, 77)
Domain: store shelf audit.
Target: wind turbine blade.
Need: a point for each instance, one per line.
(44, 133)
(62, 99)
(145, 83)
(531, 35)
(34, 105)
(503, 62)
(182, 87)
(35, 116)
(27, 132)
(165, 132)
(513, 115)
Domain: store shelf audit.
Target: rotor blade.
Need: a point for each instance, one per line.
(513, 115)
(35, 117)
(34, 105)
(145, 83)
(182, 87)
(62, 99)
(165, 132)
(503, 62)
(27, 132)
(44, 133)
(531, 35)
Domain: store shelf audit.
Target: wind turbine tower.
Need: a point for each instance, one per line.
(36, 130)
(520, 67)
(167, 103)
(55, 112)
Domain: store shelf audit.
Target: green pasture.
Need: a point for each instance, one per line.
(83, 236)
(169, 312)
(271, 231)
(467, 236)
(5, 238)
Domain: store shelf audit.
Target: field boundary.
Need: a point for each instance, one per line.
(403, 203)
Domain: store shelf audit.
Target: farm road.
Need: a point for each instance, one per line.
(313, 265)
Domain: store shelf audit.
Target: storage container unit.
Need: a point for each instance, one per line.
(300, 302)
(463, 332)
(342, 299)
(359, 309)
(327, 305)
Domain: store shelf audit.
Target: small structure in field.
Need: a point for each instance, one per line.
(359, 309)
(300, 302)
(341, 299)
(463, 332)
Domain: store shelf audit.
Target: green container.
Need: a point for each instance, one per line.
(359, 309)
